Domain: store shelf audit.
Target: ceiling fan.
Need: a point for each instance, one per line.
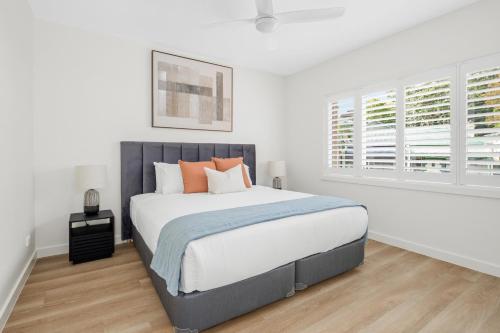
(267, 20)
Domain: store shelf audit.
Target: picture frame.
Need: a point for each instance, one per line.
(191, 94)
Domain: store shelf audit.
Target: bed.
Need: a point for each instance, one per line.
(231, 273)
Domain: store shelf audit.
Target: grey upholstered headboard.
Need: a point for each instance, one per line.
(138, 174)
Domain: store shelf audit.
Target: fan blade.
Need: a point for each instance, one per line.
(264, 7)
(229, 22)
(310, 15)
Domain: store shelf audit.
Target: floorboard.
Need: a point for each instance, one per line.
(393, 291)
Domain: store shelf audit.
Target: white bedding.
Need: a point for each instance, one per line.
(235, 255)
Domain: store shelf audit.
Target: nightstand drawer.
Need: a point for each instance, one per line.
(92, 246)
(97, 250)
(91, 239)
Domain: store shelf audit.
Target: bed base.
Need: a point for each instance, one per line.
(322, 266)
(197, 311)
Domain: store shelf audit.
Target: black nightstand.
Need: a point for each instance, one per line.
(91, 237)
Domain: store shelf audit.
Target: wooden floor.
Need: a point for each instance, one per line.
(394, 291)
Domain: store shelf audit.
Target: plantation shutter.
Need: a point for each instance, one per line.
(483, 122)
(379, 130)
(341, 133)
(427, 131)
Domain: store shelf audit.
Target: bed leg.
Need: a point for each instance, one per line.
(290, 293)
(184, 330)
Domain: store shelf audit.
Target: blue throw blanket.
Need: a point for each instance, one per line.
(176, 235)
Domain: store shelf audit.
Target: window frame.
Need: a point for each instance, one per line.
(457, 181)
(386, 86)
(467, 67)
(326, 129)
(442, 73)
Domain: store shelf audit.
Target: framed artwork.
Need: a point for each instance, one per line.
(191, 94)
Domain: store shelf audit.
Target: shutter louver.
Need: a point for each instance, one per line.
(483, 122)
(427, 132)
(341, 133)
(379, 130)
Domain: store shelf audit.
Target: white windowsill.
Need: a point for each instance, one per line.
(426, 186)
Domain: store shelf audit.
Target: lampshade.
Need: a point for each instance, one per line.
(91, 176)
(277, 168)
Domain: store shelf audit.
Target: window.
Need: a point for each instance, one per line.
(440, 127)
(427, 131)
(483, 122)
(341, 133)
(379, 130)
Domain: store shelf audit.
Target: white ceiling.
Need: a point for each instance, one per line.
(179, 25)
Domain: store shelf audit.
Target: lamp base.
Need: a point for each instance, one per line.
(91, 202)
(91, 210)
(277, 183)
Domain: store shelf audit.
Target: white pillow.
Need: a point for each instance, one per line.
(247, 170)
(168, 178)
(159, 176)
(225, 182)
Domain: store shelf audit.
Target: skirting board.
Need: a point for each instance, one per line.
(11, 300)
(454, 258)
(54, 250)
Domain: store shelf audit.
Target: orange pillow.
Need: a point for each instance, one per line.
(194, 177)
(224, 164)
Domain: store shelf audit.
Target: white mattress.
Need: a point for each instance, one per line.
(221, 259)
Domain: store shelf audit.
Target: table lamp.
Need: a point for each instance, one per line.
(277, 169)
(89, 178)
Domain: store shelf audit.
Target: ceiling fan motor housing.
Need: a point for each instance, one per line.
(266, 24)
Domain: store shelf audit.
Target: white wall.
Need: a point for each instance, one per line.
(93, 91)
(458, 228)
(16, 143)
